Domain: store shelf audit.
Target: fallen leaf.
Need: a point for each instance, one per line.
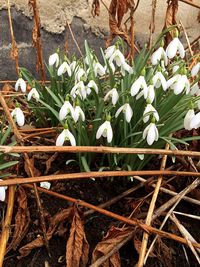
(137, 245)
(22, 219)
(77, 248)
(6, 88)
(36, 172)
(56, 220)
(113, 237)
(49, 162)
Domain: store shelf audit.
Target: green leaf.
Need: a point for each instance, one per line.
(8, 164)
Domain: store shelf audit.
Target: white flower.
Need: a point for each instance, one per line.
(66, 135)
(78, 112)
(175, 46)
(79, 89)
(2, 192)
(118, 57)
(105, 130)
(188, 117)
(54, 59)
(140, 83)
(73, 66)
(175, 68)
(19, 116)
(150, 94)
(158, 80)
(195, 69)
(195, 90)
(80, 74)
(151, 133)
(93, 85)
(158, 55)
(109, 51)
(181, 84)
(20, 83)
(66, 109)
(195, 121)
(63, 68)
(126, 67)
(126, 108)
(45, 185)
(149, 108)
(112, 66)
(114, 94)
(33, 93)
(99, 69)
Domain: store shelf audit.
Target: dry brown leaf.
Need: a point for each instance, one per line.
(56, 220)
(113, 237)
(6, 88)
(164, 253)
(170, 20)
(26, 168)
(95, 8)
(49, 162)
(22, 219)
(77, 248)
(137, 245)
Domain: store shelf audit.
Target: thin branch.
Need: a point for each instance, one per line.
(74, 39)
(189, 2)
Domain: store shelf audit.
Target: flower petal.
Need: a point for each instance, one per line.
(61, 138)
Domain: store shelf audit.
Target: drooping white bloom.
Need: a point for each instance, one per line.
(65, 110)
(150, 94)
(112, 67)
(175, 68)
(188, 117)
(2, 192)
(73, 66)
(149, 108)
(195, 69)
(125, 67)
(127, 110)
(99, 69)
(113, 94)
(54, 59)
(33, 93)
(140, 83)
(64, 67)
(93, 85)
(175, 46)
(19, 116)
(181, 84)
(80, 74)
(65, 135)
(109, 51)
(79, 89)
(118, 57)
(158, 55)
(105, 130)
(158, 80)
(195, 91)
(78, 112)
(195, 121)
(151, 133)
(20, 83)
(45, 185)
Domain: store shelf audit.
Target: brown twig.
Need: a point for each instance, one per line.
(97, 149)
(73, 38)
(152, 23)
(6, 224)
(190, 3)
(187, 39)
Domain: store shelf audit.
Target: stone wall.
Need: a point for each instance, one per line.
(54, 13)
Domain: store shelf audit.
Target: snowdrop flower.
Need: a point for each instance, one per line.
(19, 116)
(73, 66)
(113, 94)
(54, 59)
(195, 69)
(175, 68)
(195, 121)
(195, 90)
(80, 74)
(78, 112)
(158, 80)
(2, 192)
(151, 133)
(99, 69)
(127, 110)
(118, 57)
(188, 117)
(93, 85)
(158, 55)
(45, 185)
(65, 110)
(79, 89)
(33, 93)
(109, 51)
(20, 83)
(150, 108)
(105, 130)
(112, 66)
(66, 135)
(126, 67)
(150, 94)
(175, 46)
(181, 84)
(140, 83)
(64, 67)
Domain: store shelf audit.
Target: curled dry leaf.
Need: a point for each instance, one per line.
(56, 220)
(49, 162)
(113, 237)
(22, 219)
(95, 8)
(26, 168)
(77, 248)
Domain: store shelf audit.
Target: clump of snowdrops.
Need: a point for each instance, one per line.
(117, 102)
